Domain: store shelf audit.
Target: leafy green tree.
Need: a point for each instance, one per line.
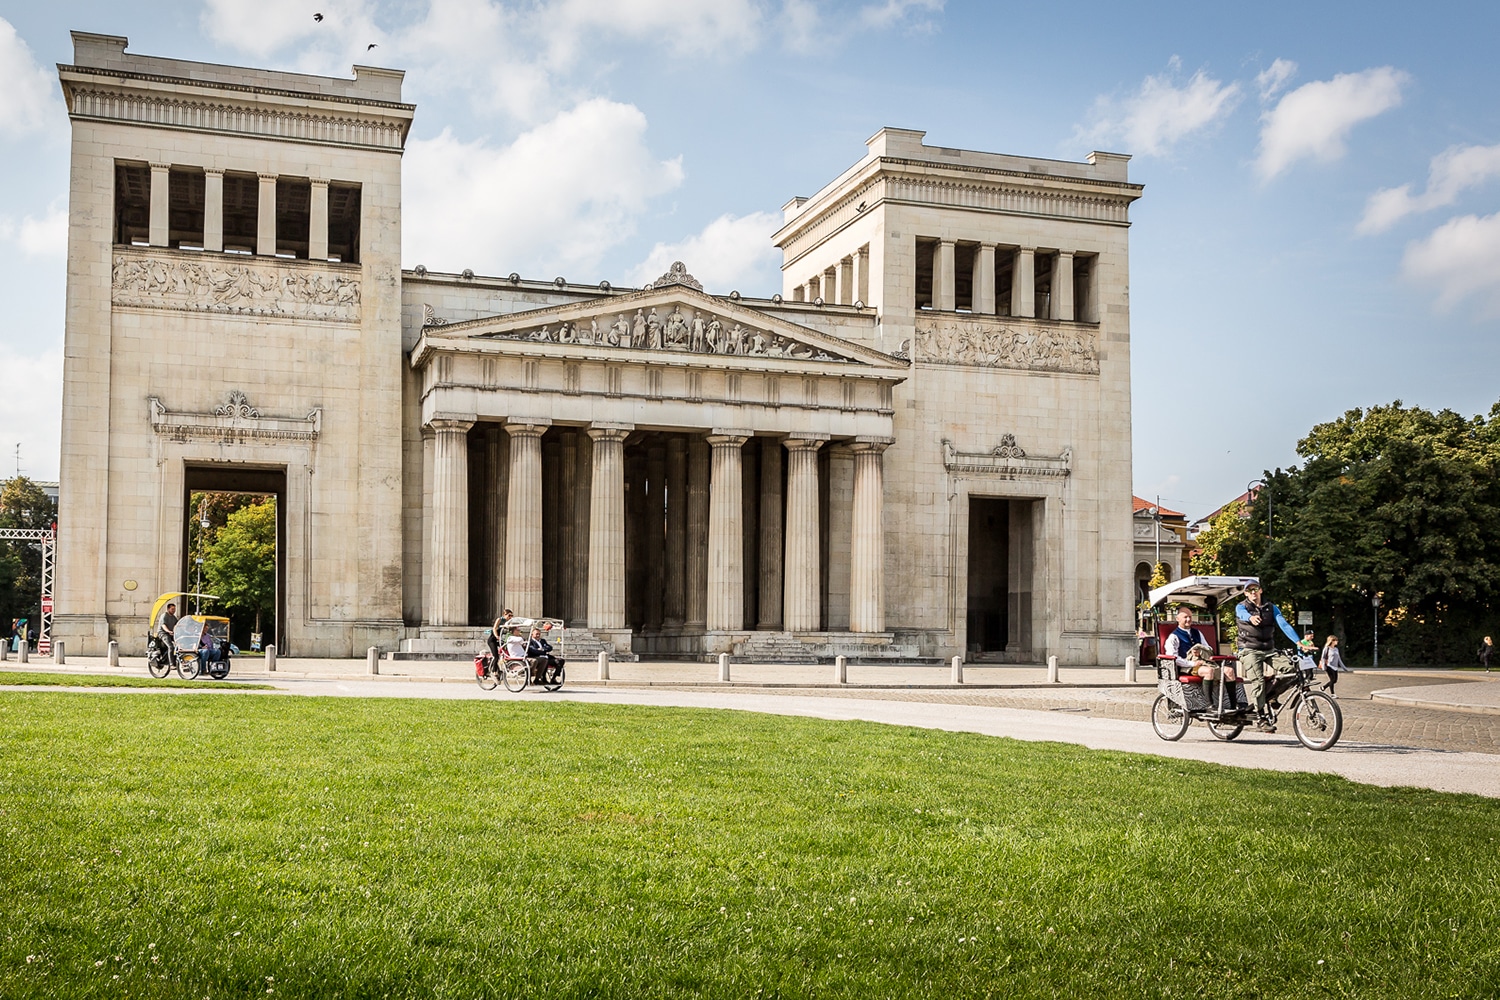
(240, 564)
(1228, 546)
(23, 504)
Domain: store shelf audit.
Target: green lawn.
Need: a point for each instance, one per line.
(45, 679)
(291, 847)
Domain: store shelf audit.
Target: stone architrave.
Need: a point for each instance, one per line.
(523, 521)
(450, 519)
(867, 541)
(726, 584)
(802, 604)
(606, 578)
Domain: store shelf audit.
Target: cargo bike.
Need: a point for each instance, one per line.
(519, 672)
(1186, 698)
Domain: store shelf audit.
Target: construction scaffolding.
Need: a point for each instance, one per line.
(47, 538)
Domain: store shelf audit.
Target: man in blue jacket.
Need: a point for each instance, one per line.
(1257, 630)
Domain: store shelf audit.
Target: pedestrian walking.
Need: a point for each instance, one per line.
(1332, 662)
(1486, 650)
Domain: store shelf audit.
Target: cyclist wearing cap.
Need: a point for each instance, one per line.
(1257, 631)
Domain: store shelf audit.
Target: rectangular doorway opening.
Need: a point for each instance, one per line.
(234, 535)
(989, 575)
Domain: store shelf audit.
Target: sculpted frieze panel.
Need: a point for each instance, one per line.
(253, 287)
(680, 329)
(1027, 345)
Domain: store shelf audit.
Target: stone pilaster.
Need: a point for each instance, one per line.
(317, 224)
(867, 541)
(862, 278)
(801, 605)
(695, 583)
(159, 227)
(523, 518)
(1023, 283)
(450, 520)
(213, 210)
(984, 280)
(726, 585)
(1062, 285)
(944, 295)
(265, 230)
(497, 466)
(770, 590)
(846, 282)
(606, 578)
(674, 600)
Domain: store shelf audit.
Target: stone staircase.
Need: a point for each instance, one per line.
(466, 643)
(773, 647)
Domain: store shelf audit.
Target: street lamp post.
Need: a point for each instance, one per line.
(1375, 603)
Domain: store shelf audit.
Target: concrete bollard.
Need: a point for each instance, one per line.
(271, 657)
(1130, 666)
(59, 654)
(114, 653)
(23, 653)
(1051, 670)
(841, 670)
(958, 670)
(723, 668)
(4, 650)
(372, 660)
(603, 665)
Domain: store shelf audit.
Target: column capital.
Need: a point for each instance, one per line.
(1030, 250)
(869, 443)
(1065, 253)
(805, 442)
(266, 177)
(987, 244)
(947, 242)
(213, 171)
(319, 182)
(729, 435)
(459, 422)
(161, 166)
(609, 430)
(527, 426)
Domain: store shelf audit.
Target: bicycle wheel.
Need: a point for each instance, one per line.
(219, 669)
(517, 675)
(554, 677)
(187, 666)
(1317, 720)
(1225, 731)
(486, 677)
(156, 663)
(1168, 719)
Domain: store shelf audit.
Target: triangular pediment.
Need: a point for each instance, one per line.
(673, 319)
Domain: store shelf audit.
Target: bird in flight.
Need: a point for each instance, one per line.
(371, 46)
(317, 17)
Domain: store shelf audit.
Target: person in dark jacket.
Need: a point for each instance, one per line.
(1486, 651)
(1257, 624)
(539, 652)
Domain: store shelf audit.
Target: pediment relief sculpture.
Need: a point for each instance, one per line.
(1026, 345)
(672, 328)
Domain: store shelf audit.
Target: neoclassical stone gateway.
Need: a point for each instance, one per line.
(920, 447)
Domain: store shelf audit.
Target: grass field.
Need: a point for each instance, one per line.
(49, 679)
(298, 847)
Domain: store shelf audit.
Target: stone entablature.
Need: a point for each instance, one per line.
(193, 281)
(1007, 342)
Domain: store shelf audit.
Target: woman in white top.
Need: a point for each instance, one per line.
(1332, 662)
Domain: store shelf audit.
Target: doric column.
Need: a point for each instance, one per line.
(607, 527)
(1023, 283)
(656, 531)
(674, 601)
(523, 518)
(726, 584)
(635, 533)
(552, 554)
(450, 519)
(840, 530)
(1062, 285)
(568, 548)
(213, 210)
(984, 280)
(770, 590)
(265, 230)
(944, 297)
(696, 582)
(159, 230)
(429, 448)
(497, 467)
(862, 277)
(317, 223)
(846, 281)
(801, 605)
(867, 541)
(578, 609)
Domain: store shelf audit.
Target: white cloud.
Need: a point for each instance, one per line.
(1160, 113)
(1314, 120)
(731, 252)
(1452, 172)
(31, 411)
(30, 103)
(1274, 77)
(883, 15)
(44, 237)
(1460, 259)
(266, 27)
(556, 199)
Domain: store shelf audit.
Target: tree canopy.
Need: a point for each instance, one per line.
(23, 504)
(239, 564)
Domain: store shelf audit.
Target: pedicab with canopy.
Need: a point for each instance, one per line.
(187, 638)
(1185, 697)
(518, 672)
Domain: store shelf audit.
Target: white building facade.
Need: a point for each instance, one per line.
(919, 448)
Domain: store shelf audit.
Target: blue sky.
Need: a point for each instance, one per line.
(1320, 228)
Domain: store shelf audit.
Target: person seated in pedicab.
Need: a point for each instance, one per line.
(208, 650)
(515, 645)
(539, 651)
(1182, 639)
(1201, 661)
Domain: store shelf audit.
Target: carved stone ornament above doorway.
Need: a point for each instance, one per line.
(1007, 460)
(234, 420)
